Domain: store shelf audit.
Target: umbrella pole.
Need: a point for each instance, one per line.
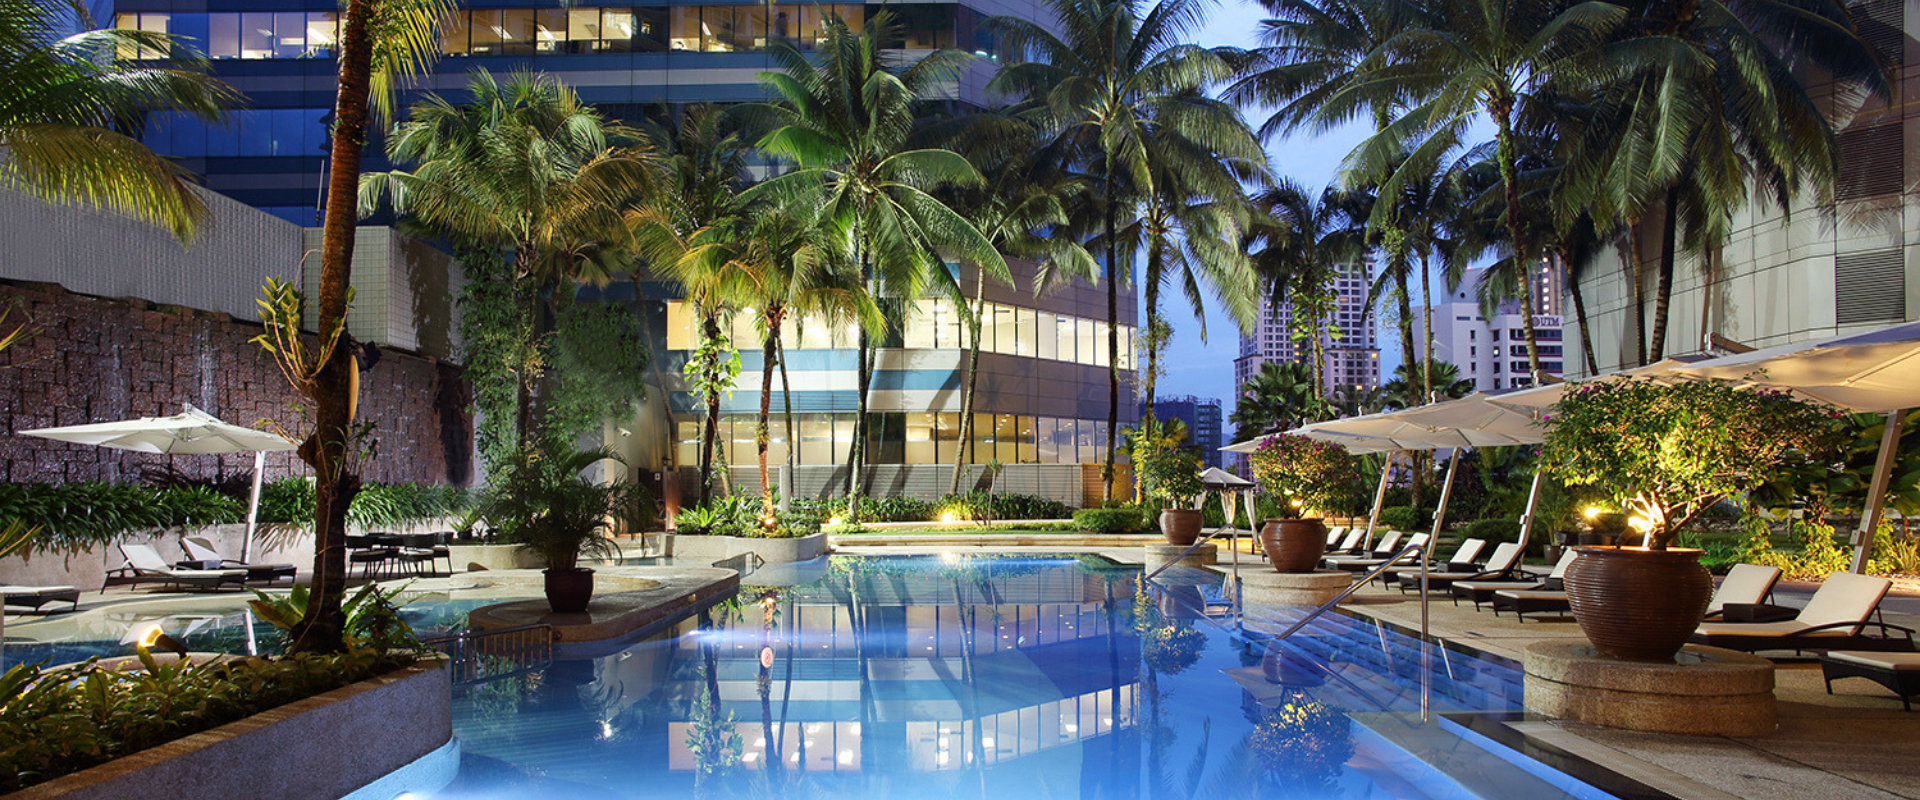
(1526, 520)
(1446, 492)
(1877, 490)
(1379, 498)
(253, 506)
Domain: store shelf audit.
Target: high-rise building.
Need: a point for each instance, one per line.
(1203, 419)
(1490, 351)
(1352, 347)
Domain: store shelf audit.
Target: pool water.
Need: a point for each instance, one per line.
(930, 677)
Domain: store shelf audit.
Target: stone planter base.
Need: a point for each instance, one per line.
(1265, 587)
(494, 556)
(1705, 691)
(1160, 555)
(321, 748)
(773, 551)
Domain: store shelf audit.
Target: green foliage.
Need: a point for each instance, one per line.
(1841, 487)
(289, 501)
(741, 515)
(1314, 477)
(1170, 649)
(600, 362)
(1668, 452)
(973, 505)
(1303, 739)
(1280, 397)
(57, 722)
(549, 507)
(372, 618)
(1109, 520)
(1493, 529)
(1821, 552)
(74, 516)
(1893, 555)
(496, 332)
(1400, 518)
(1168, 471)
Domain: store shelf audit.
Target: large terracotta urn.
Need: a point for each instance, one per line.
(1294, 545)
(1635, 603)
(1181, 526)
(569, 590)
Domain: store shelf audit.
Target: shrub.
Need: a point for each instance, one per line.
(74, 516)
(1893, 555)
(1109, 520)
(289, 501)
(1400, 518)
(1320, 477)
(1493, 529)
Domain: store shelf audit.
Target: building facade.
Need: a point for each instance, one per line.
(1492, 351)
(1352, 347)
(1203, 420)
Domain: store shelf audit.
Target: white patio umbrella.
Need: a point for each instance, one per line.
(1877, 371)
(190, 432)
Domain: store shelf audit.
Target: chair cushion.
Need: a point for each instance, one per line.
(1495, 586)
(1783, 628)
(1531, 594)
(1894, 662)
(21, 591)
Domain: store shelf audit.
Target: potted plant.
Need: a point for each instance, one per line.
(1662, 454)
(1307, 477)
(1169, 475)
(548, 507)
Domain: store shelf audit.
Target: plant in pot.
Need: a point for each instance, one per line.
(1663, 454)
(1169, 475)
(549, 507)
(1307, 477)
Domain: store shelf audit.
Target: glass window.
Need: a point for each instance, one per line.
(256, 35)
(1046, 452)
(815, 334)
(1024, 326)
(323, 32)
(853, 14)
(946, 324)
(842, 438)
(919, 438)
(289, 35)
(516, 31)
(1084, 328)
(687, 446)
(744, 333)
(785, 22)
(918, 329)
(1101, 343)
(550, 30)
(746, 442)
(453, 34)
(583, 25)
(1049, 343)
(643, 29)
(485, 32)
(946, 437)
(679, 326)
(223, 35)
(1006, 438)
(683, 27)
(1024, 434)
(983, 439)
(1004, 340)
(816, 438)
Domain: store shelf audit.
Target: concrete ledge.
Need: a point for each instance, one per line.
(670, 591)
(772, 551)
(1264, 586)
(320, 748)
(494, 556)
(1705, 691)
(1062, 539)
(1160, 555)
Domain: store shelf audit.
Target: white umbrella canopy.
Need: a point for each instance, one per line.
(190, 432)
(1537, 399)
(1217, 478)
(1476, 421)
(1874, 371)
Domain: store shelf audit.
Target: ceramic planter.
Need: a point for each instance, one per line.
(1294, 545)
(569, 590)
(1635, 603)
(1181, 526)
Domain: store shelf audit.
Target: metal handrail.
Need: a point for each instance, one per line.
(480, 656)
(1383, 566)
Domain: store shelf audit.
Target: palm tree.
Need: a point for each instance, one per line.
(1111, 77)
(1454, 60)
(382, 43)
(69, 102)
(1299, 244)
(1419, 223)
(845, 115)
(1283, 396)
(524, 166)
(1409, 387)
(690, 231)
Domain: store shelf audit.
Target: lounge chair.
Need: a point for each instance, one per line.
(202, 551)
(1418, 540)
(1899, 672)
(1505, 558)
(1836, 618)
(1348, 543)
(36, 596)
(1745, 584)
(1462, 560)
(1482, 591)
(1382, 547)
(144, 565)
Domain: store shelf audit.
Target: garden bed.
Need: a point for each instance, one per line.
(322, 747)
(772, 551)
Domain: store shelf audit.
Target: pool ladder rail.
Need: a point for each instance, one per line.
(1391, 562)
(476, 657)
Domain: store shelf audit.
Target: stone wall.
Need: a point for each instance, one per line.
(98, 360)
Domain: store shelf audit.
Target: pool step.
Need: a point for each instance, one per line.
(1433, 756)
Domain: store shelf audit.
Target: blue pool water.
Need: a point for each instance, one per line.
(907, 677)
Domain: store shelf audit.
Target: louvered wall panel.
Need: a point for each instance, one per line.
(1870, 286)
(1870, 162)
(1882, 24)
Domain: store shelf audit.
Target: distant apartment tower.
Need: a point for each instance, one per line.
(1492, 352)
(1202, 416)
(1352, 352)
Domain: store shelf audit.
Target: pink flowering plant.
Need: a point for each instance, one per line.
(1664, 453)
(1307, 476)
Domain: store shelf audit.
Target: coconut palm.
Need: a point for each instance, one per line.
(1409, 387)
(524, 166)
(1111, 76)
(843, 120)
(382, 44)
(1284, 395)
(1299, 243)
(69, 102)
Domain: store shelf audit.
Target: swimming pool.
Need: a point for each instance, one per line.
(993, 677)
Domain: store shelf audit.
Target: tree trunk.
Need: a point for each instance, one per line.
(711, 329)
(523, 402)
(1586, 333)
(1426, 324)
(1663, 291)
(1510, 176)
(786, 401)
(1149, 384)
(1113, 336)
(1403, 297)
(769, 352)
(973, 373)
(322, 629)
(1636, 271)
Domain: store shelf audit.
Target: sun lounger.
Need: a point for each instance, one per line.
(1835, 618)
(1348, 543)
(1418, 540)
(1745, 586)
(144, 565)
(1482, 591)
(1463, 559)
(202, 550)
(1388, 542)
(1899, 672)
(36, 596)
(1501, 564)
